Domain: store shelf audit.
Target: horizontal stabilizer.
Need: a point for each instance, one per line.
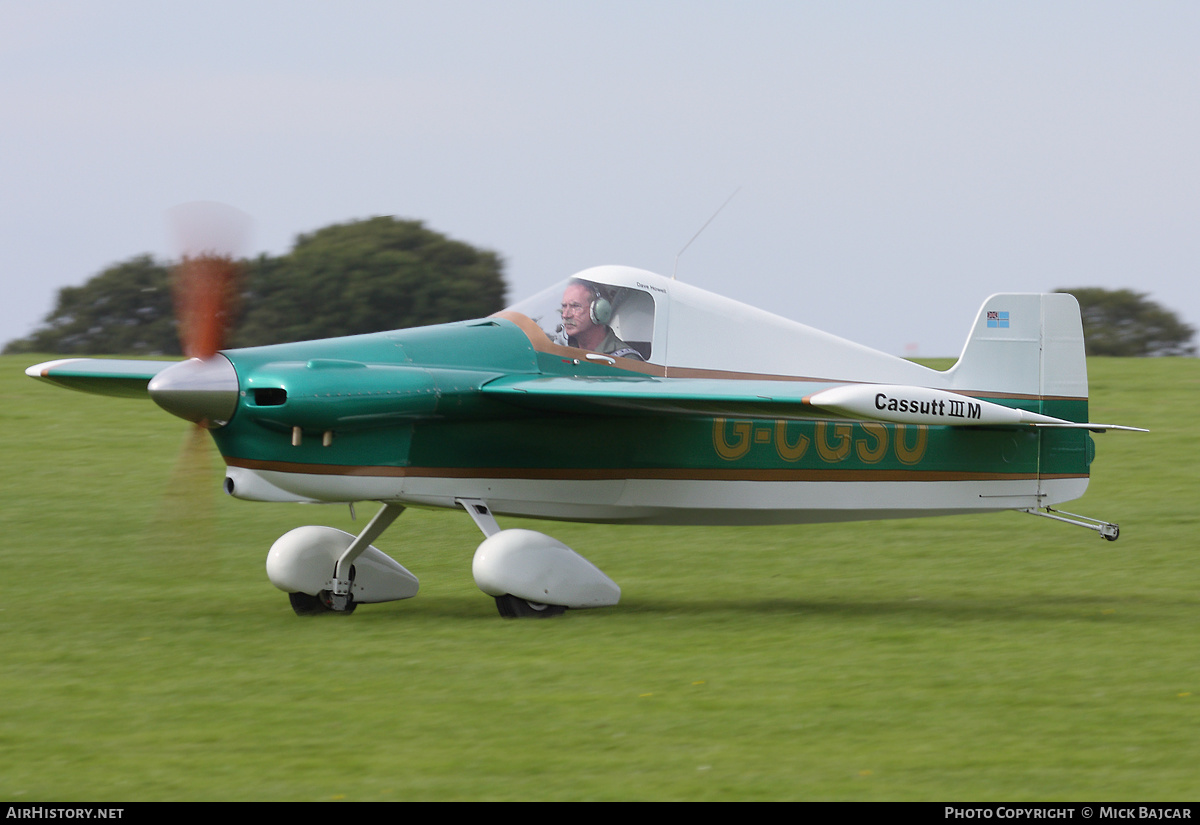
(119, 377)
(1096, 428)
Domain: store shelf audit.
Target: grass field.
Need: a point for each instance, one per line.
(1001, 657)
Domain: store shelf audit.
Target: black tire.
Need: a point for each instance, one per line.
(510, 607)
(306, 605)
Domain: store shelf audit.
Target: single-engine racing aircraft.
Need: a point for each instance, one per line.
(622, 396)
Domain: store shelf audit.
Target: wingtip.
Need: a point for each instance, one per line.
(42, 370)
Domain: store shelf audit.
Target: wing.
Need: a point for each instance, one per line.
(119, 377)
(756, 398)
(648, 394)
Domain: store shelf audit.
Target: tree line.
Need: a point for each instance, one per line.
(385, 273)
(1126, 323)
(364, 276)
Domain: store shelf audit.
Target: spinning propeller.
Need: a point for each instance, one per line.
(207, 292)
(203, 389)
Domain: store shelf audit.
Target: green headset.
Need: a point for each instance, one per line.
(600, 310)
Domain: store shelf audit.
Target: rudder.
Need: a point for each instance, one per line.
(1024, 344)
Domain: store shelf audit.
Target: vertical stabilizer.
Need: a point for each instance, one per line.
(1024, 344)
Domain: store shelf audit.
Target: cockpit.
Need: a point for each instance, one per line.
(609, 310)
(646, 323)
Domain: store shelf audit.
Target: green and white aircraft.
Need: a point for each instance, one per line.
(622, 396)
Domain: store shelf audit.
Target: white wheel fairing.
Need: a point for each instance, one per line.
(302, 561)
(540, 569)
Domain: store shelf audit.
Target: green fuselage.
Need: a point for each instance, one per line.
(414, 403)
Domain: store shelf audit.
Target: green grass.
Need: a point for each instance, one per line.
(1001, 657)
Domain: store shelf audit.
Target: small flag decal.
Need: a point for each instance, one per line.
(997, 320)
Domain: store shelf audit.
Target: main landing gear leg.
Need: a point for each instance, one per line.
(323, 569)
(507, 605)
(1106, 529)
(343, 569)
(531, 575)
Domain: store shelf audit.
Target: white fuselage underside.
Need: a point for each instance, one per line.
(669, 501)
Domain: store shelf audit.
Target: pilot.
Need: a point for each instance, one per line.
(585, 316)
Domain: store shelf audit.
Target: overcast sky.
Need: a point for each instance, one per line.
(898, 162)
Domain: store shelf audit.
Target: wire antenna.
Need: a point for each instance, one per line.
(697, 235)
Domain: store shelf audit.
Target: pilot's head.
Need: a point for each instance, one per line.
(576, 310)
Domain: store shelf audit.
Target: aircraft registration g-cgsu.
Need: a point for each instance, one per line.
(622, 396)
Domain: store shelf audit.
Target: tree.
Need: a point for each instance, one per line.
(1126, 323)
(125, 309)
(365, 276)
